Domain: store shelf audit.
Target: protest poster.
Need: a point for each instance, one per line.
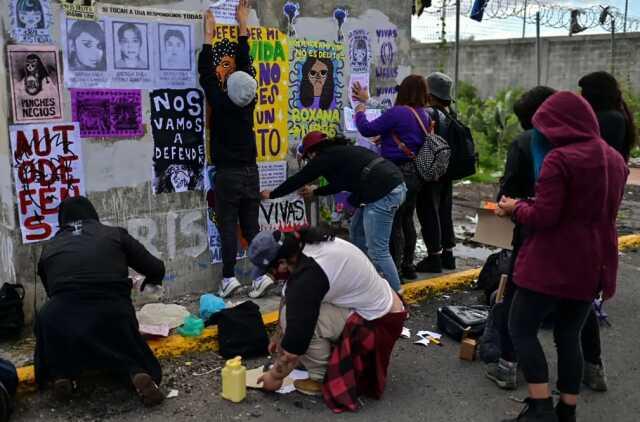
(359, 51)
(215, 244)
(112, 113)
(361, 79)
(79, 10)
(387, 67)
(85, 53)
(31, 21)
(34, 71)
(270, 55)
(316, 85)
(130, 46)
(47, 168)
(286, 214)
(177, 123)
(350, 117)
(225, 11)
(272, 174)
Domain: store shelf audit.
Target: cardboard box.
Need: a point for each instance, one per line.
(468, 347)
(492, 230)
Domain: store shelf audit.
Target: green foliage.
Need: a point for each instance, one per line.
(633, 101)
(493, 124)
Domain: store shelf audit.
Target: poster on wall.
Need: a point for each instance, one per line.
(215, 243)
(386, 69)
(79, 10)
(359, 51)
(272, 174)
(316, 85)
(47, 168)
(132, 49)
(34, 72)
(31, 21)
(108, 113)
(177, 123)
(285, 214)
(85, 53)
(225, 11)
(270, 55)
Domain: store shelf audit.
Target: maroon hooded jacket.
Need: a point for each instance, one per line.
(572, 251)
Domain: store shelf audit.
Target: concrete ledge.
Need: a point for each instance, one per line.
(176, 345)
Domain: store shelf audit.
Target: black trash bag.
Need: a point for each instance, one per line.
(11, 313)
(241, 331)
(497, 264)
(454, 320)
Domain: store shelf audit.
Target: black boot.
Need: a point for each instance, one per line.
(565, 412)
(448, 260)
(408, 272)
(540, 410)
(430, 264)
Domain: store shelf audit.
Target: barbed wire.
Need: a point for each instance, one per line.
(551, 15)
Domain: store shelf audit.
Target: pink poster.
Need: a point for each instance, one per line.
(112, 113)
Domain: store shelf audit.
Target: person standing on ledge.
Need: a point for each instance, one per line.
(227, 78)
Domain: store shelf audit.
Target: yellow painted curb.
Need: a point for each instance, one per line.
(176, 345)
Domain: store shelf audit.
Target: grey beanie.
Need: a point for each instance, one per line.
(241, 88)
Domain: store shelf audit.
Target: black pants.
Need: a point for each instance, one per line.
(237, 200)
(402, 244)
(528, 311)
(435, 212)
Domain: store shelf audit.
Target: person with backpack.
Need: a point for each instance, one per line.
(571, 254)
(435, 200)
(339, 317)
(227, 77)
(88, 322)
(376, 191)
(402, 130)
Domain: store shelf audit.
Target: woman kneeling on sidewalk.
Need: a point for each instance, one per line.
(334, 296)
(89, 322)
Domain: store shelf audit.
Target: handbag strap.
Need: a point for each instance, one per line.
(403, 147)
(420, 122)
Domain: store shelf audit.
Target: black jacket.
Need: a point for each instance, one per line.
(519, 180)
(613, 127)
(342, 166)
(232, 140)
(94, 257)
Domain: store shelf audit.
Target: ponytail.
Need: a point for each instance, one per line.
(293, 243)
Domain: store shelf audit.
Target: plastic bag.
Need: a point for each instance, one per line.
(192, 327)
(209, 305)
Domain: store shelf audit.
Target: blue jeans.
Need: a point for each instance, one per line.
(371, 230)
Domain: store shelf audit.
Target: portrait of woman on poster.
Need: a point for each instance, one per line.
(131, 54)
(360, 54)
(86, 46)
(36, 79)
(317, 88)
(174, 53)
(30, 14)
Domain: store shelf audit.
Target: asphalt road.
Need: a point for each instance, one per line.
(429, 384)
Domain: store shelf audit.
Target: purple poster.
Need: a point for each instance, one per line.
(113, 113)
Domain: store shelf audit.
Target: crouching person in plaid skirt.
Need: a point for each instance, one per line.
(338, 317)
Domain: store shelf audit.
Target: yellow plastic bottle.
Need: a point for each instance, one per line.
(234, 380)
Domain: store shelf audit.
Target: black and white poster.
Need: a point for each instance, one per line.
(177, 123)
(85, 53)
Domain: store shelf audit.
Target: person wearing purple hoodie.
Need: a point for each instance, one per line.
(400, 124)
(571, 255)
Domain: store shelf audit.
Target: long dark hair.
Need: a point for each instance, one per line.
(30, 6)
(602, 91)
(306, 88)
(293, 243)
(529, 103)
(336, 140)
(412, 92)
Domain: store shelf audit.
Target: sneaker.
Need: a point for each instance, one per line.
(63, 389)
(147, 389)
(430, 264)
(448, 260)
(408, 272)
(260, 286)
(536, 411)
(308, 387)
(594, 377)
(228, 286)
(504, 374)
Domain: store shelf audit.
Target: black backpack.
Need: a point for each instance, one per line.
(463, 160)
(497, 264)
(11, 313)
(241, 331)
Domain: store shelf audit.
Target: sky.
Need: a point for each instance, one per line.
(427, 28)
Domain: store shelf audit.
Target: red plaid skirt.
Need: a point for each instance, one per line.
(358, 363)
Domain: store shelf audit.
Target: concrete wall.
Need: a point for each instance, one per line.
(118, 172)
(494, 65)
